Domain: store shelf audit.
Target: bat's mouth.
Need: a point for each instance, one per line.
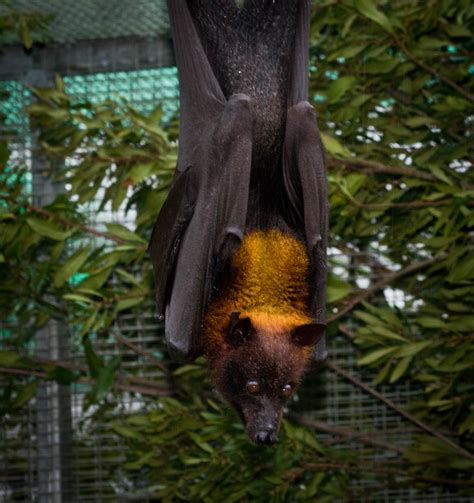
(258, 435)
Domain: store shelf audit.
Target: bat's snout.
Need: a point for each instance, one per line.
(268, 436)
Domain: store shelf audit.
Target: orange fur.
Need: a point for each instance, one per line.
(268, 285)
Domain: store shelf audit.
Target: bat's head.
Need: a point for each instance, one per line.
(259, 371)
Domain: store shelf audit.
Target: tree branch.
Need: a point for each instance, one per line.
(428, 429)
(405, 100)
(142, 352)
(150, 389)
(75, 225)
(348, 434)
(433, 72)
(378, 167)
(386, 280)
(367, 468)
(409, 204)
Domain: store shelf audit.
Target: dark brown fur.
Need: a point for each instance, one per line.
(259, 330)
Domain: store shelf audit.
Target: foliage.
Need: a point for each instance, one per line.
(393, 88)
(402, 96)
(28, 27)
(201, 453)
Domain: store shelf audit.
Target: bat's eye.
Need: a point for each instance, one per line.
(287, 390)
(253, 387)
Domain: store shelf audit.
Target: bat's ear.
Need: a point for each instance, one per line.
(307, 335)
(240, 330)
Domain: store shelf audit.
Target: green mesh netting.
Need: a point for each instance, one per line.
(74, 20)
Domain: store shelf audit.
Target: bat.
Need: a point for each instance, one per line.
(250, 184)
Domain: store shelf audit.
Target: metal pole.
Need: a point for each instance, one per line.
(53, 400)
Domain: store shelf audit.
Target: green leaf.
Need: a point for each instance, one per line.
(131, 278)
(337, 289)
(62, 375)
(375, 355)
(385, 332)
(94, 362)
(467, 424)
(58, 80)
(382, 65)
(203, 445)
(368, 9)
(122, 232)
(96, 280)
(118, 196)
(71, 266)
(25, 33)
(25, 394)
(419, 120)
(339, 87)
(440, 174)
(333, 146)
(463, 270)
(428, 322)
(4, 155)
(139, 172)
(48, 229)
(432, 43)
(400, 368)
(9, 358)
(412, 348)
(128, 303)
(78, 298)
(105, 378)
(125, 431)
(462, 324)
(457, 30)
(347, 52)
(383, 373)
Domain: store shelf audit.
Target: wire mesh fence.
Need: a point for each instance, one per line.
(91, 19)
(54, 450)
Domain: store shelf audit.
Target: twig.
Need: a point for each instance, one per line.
(144, 390)
(71, 224)
(428, 429)
(363, 258)
(347, 331)
(365, 165)
(140, 351)
(433, 72)
(389, 278)
(117, 298)
(22, 372)
(83, 368)
(409, 204)
(385, 471)
(405, 100)
(378, 167)
(346, 433)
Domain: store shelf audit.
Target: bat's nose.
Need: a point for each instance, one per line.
(266, 436)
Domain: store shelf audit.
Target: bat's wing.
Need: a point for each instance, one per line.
(204, 215)
(305, 183)
(305, 173)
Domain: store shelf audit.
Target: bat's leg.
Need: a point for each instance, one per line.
(305, 183)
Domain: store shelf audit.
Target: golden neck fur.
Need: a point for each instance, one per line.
(268, 284)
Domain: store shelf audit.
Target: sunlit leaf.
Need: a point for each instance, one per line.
(48, 229)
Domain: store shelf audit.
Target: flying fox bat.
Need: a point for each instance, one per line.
(239, 247)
